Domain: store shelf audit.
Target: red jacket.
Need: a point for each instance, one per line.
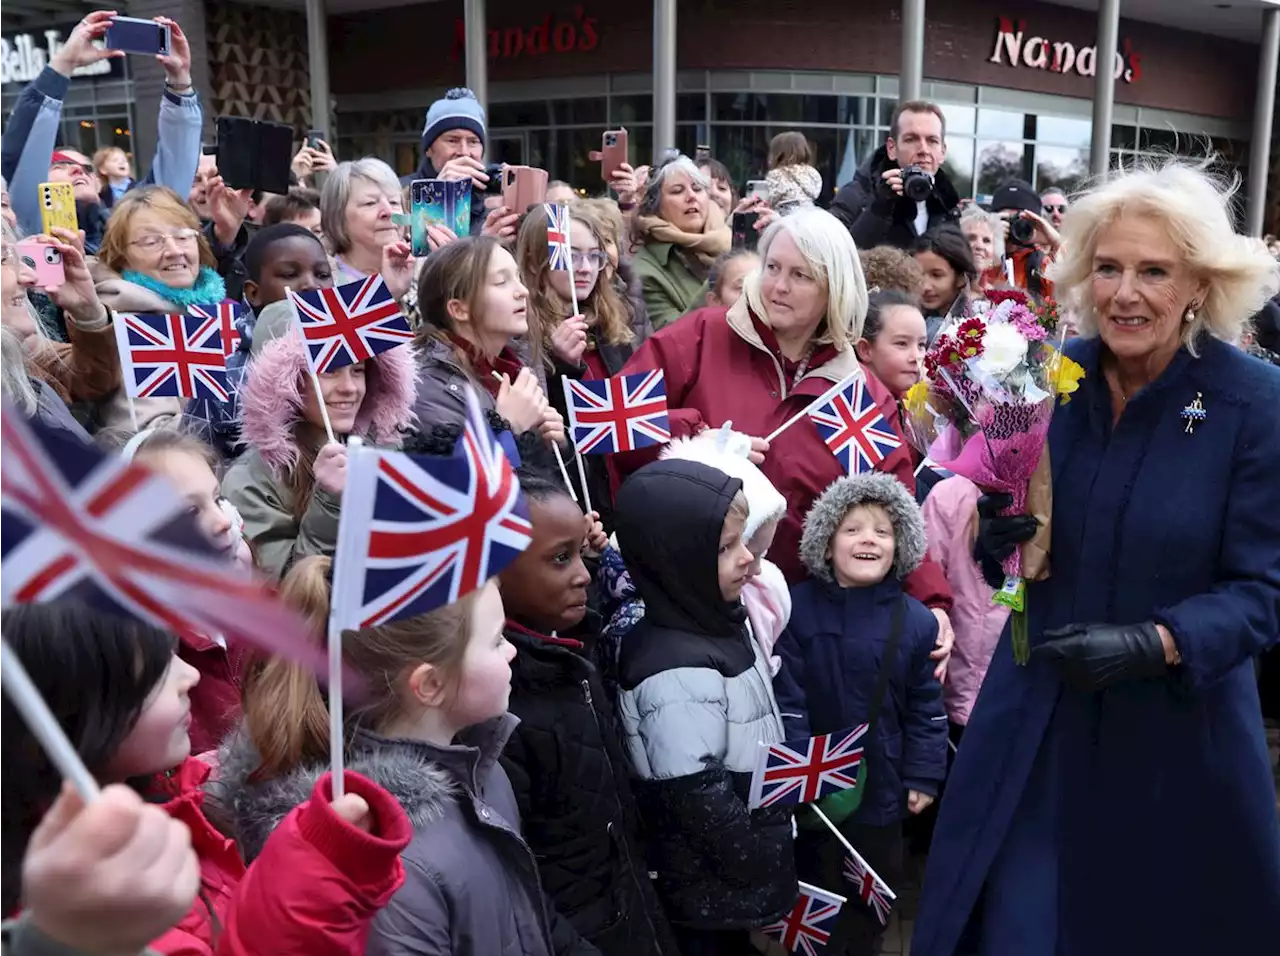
(718, 369)
(313, 891)
(215, 701)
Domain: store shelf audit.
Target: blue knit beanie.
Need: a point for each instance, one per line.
(458, 110)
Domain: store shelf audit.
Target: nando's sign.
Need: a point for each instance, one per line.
(1014, 47)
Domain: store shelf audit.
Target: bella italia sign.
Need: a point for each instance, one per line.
(1015, 48)
(24, 55)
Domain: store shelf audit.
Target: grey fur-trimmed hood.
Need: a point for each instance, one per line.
(250, 811)
(820, 524)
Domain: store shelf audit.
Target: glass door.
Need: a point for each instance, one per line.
(510, 146)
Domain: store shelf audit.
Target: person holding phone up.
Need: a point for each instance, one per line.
(32, 131)
(453, 142)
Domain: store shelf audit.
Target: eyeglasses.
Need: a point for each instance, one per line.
(71, 164)
(153, 241)
(595, 259)
(1049, 207)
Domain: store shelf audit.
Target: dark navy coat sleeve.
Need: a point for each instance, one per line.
(788, 685)
(924, 723)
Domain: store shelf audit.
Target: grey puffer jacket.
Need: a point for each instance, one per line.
(471, 883)
(443, 382)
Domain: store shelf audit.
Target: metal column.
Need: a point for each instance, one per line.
(318, 63)
(1104, 85)
(912, 76)
(1263, 107)
(477, 49)
(664, 76)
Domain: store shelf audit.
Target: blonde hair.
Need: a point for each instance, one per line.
(162, 201)
(102, 155)
(533, 258)
(827, 247)
(1194, 209)
(284, 710)
(739, 508)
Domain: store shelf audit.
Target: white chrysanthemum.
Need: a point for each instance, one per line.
(1003, 350)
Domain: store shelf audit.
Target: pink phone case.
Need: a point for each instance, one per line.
(44, 260)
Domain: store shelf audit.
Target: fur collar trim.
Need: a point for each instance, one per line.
(875, 487)
(271, 400)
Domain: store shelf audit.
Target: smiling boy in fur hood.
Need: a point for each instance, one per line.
(850, 619)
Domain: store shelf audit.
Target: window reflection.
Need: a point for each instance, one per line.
(959, 164)
(1062, 167)
(960, 119)
(998, 163)
(1061, 131)
(1002, 124)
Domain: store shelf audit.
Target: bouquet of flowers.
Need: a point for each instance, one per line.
(983, 410)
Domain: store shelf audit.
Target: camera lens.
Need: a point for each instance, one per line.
(52, 256)
(916, 184)
(1022, 231)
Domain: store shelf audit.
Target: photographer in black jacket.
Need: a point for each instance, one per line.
(901, 192)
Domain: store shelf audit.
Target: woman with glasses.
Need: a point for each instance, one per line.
(154, 259)
(594, 343)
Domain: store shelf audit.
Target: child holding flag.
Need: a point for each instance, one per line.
(695, 703)
(857, 651)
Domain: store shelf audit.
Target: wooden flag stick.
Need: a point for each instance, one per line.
(824, 397)
(40, 720)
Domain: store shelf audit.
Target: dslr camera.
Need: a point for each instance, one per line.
(1021, 231)
(917, 185)
(494, 186)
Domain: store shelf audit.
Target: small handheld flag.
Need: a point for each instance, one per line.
(228, 315)
(807, 928)
(172, 356)
(622, 413)
(853, 428)
(802, 771)
(560, 245)
(417, 533)
(349, 323)
(79, 524)
(869, 887)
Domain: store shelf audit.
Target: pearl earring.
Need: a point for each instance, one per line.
(1190, 315)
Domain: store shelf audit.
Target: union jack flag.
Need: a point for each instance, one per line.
(227, 314)
(870, 888)
(558, 243)
(802, 771)
(78, 524)
(417, 533)
(853, 428)
(175, 356)
(350, 323)
(622, 413)
(807, 928)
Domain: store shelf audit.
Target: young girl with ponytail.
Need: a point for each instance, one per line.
(429, 726)
(122, 696)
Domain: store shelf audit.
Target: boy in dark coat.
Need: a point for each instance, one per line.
(862, 536)
(565, 762)
(695, 702)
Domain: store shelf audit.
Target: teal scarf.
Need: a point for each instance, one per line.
(209, 288)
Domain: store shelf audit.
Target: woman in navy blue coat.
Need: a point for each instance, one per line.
(1114, 796)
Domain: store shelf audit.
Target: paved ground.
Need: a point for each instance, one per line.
(897, 940)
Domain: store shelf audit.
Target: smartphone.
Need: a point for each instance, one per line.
(522, 187)
(758, 187)
(44, 260)
(57, 207)
(439, 202)
(314, 138)
(254, 154)
(133, 35)
(744, 230)
(613, 152)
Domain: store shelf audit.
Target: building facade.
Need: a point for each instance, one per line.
(1015, 80)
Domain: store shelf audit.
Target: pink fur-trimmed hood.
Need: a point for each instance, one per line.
(271, 399)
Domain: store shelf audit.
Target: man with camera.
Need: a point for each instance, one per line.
(901, 191)
(1029, 240)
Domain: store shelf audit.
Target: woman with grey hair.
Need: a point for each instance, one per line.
(985, 232)
(1114, 795)
(678, 232)
(788, 339)
(357, 210)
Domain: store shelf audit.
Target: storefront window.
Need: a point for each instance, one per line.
(1061, 131)
(745, 150)
(1061, 166)
(959, 163)
(773, 108)
(626, 110)
(1003, 124)
(998, 163)
(960, 119)
(856, 110)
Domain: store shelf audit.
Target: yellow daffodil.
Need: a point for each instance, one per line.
(917, 398)
(1063, 375)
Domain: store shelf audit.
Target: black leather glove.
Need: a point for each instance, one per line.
(999, 535)
(1093, 657)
